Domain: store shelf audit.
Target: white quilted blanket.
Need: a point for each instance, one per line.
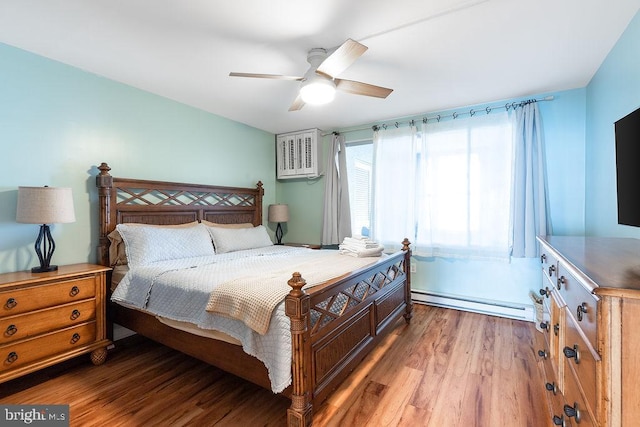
(253, 298)
(180, 290)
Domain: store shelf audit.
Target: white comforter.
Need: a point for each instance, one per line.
(180, 290)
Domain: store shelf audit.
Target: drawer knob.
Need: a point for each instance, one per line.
(559, 421)
(543, 354)
(74, 291)
(12, 357)
(552, 268)
(556, 329)
(561, 281)
(543, 258)
(11, 303)
(545, 326)
(572, 353)
(11, 330)
(552, 387)
(582, 309)
(75, 314)
(75, 338)
(544, 292)
(572, 412)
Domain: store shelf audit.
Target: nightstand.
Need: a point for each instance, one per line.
(304, 245)
(46, 318)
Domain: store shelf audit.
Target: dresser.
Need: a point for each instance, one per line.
(590, 345)
(46, 318)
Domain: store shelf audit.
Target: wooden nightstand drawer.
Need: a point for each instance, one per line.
(27, 299)
(26, 325)
(23, 352)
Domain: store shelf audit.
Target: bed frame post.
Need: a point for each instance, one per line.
(104, 182)
(297, 307)
(258, 215)
(408, 314)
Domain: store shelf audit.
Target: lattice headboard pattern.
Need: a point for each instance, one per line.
(124, 200)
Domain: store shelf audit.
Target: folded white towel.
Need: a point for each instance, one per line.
(361, 253)
(360, 242)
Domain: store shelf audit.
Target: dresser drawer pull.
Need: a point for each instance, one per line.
(561, 281)
(74, 291)
(12, 357)
(545, 326)
(559, 421)
(582, 309)
(75, 314)
(552, 387)
(11, 303)
(543, 258)
(545, 292)
(552, 268)
(572, 353)
(556, 329)
(572, 412)
(75, 338)
(543, 354)
(11, 330)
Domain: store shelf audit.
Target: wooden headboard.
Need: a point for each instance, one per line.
(125, 200)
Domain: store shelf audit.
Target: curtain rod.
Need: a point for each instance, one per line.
(508, 106)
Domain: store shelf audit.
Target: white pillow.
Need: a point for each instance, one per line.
(237, 239)
(145, 244)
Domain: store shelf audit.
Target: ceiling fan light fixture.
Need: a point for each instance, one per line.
(318, 91)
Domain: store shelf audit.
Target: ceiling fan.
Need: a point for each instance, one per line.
(319, 83)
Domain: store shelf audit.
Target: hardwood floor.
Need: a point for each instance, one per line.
(448, 368)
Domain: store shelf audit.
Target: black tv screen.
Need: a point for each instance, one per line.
(628, 168)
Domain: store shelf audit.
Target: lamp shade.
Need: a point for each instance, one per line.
(278, 213)
(45, 205)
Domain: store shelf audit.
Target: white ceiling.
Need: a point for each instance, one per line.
(435, 54)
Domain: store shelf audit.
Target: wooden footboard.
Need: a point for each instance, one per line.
(333, 325)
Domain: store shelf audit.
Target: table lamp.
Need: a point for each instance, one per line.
(278, 213)
(44, 206)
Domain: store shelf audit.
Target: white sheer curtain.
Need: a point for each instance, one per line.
(466, 187)
(336, 223)
(447, 188)
(530, 198)
(393, 189)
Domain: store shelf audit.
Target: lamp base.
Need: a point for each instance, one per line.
(44, 269)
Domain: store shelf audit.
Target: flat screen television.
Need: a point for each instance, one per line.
(627, 131)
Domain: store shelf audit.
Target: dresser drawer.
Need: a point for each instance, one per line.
(583, 364)
(26, 325)
(581, 304)
(31, 350)
(26, 299)
(574, 402)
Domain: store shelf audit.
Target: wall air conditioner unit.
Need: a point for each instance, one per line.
(299, 154)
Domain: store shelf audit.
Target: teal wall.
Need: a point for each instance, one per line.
(613, 93)
(57, 123)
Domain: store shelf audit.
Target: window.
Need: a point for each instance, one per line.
(447, 187)
(359, 162)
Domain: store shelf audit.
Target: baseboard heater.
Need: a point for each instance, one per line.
(492, 308)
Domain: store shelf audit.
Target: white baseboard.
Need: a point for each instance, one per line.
(492, 308)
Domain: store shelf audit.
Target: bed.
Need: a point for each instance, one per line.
(332, 325)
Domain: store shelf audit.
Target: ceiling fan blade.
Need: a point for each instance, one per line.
(359, 88)
(341, 58)
(297, 104)
(265, 76)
